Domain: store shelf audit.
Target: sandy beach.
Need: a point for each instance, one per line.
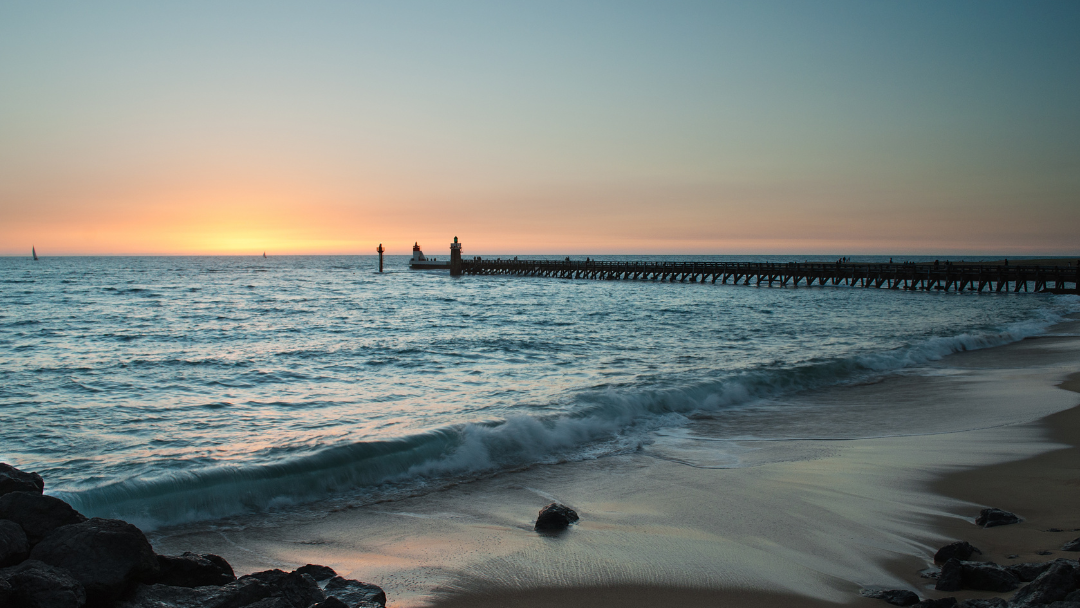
(796, 522)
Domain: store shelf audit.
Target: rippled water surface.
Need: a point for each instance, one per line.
(175, 388)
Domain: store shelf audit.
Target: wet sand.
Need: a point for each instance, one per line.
(802, 522)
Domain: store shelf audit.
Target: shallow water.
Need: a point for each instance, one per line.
(169, 389)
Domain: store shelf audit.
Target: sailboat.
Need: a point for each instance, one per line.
(264, 255)
(33, 252)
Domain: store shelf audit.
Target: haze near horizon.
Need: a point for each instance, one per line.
(600, 127)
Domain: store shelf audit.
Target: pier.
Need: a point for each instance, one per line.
(922, 276)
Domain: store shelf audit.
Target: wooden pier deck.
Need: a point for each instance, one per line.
(926, 277)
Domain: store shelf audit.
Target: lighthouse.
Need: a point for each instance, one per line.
(455, 258)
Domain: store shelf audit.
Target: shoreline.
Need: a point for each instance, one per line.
(803, 523)
(1042, 488)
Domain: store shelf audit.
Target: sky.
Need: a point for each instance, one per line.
(555, 127)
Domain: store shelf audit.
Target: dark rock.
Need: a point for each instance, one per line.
(945, 602)
(1058, 581)
(1073, 597)
(331, 602)
(1063, 604)
(981, 576)
(1012, 556)
(233, 595)
(14, 480)
(896, 597)
(193, 570)
(989, 518)
(38, 585)
(7, 594)
(993, 602)
(299, 590)
(1072, 545)
(555, 517)
(987, 576)
(1028, 572)
(1044, 553)
(14, 547)
(105, 555)
(355, 593)
(951, 577)
(961, 550)
(317, 572)
(38, 514)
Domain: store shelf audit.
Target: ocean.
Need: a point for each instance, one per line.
(165, 390)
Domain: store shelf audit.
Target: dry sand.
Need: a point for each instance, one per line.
(802, 523)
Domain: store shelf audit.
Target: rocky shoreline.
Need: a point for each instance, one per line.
(52, 556)
(1053, 584)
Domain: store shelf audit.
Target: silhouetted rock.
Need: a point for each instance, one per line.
(317, 572)
(951, 576)
(299, 590)
(355, 593)
(38, 514)
(1028, 572)
(233, 595)
(38, 585)
(981, 576)
(331, 602)
(14, 480)
(945, 602)
(193, 570)
(961, 550)
(992, 602)
(555, 517)
(1057, 582)
(1072, 545)
(989, 518)
(987, 576)
(105, 555)
(896, 597)
(14, 547)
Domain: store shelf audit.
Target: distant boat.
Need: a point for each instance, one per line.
(264, 255)
(33, 252)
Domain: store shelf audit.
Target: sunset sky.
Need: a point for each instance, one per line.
(540, 127)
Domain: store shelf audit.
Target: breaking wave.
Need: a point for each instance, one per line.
(598, 422)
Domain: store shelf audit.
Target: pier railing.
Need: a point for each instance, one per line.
(911, 276)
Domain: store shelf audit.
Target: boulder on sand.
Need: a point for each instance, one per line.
(356, 593)
(980, 576)
(555, 517)
(1054, 585)
(38, 514)
(34, 584)
(105, 555)
(1072, 545)
(193, 570)
(989, 518)
(317, 572)
(14, 547)
(14, 480)
(961, 550)
(269, 589)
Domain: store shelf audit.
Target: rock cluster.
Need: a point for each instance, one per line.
(51, 556)
(1053, 584)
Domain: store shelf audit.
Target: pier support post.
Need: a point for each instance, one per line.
(380, 250)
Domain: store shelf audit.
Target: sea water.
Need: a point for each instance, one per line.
(169, 389)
